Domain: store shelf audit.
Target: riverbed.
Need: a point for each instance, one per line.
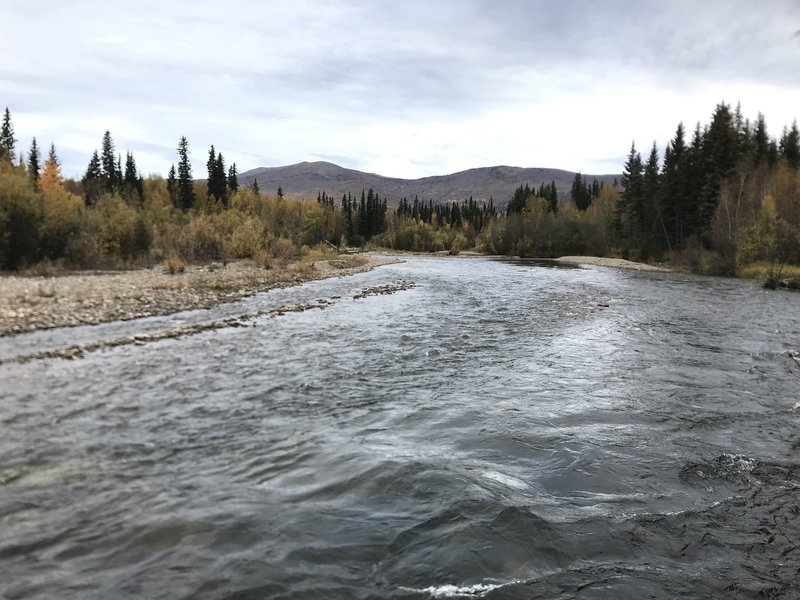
(440, 428)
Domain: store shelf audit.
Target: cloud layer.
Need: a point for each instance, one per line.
(402, 89)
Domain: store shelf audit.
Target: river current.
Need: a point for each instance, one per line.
(503, 429)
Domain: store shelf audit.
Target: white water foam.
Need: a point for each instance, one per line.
(504, 479)
(478, 590)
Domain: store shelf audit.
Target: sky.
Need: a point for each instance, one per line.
(403, 89)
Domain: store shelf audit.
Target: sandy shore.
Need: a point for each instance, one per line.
(31, 303)
(619, 263)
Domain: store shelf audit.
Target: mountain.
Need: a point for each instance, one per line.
(307, 179)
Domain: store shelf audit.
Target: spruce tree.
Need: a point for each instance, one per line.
(186, 196)
(790, 146)
(761, 140)
(172, 186)
(93, 182)
(628, 213)
(7, 140)
(118, 176)
(280, 192)
(673, 196)
(211, 166)
(233, 179)
(217, 182)
(134, 185)
(581, 195)
(654, 227)
(108, 162)
(130, 169)
(33, 164)
(220, 181)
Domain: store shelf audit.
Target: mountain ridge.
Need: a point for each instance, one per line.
(307, 179)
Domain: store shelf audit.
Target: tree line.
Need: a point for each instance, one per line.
(724, 197)
(113, 216)
(714, 193)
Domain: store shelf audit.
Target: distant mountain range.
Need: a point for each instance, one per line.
(307, 179)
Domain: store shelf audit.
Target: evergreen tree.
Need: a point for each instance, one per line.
(347, 209)
(33, 164)
(362, 216)
(108, 163)
(7, 140)
(280, 192)
(186, 196)
(132, 181)
(118, 173)
(214, 182)
(172, 186)
(761, 140)
(221, 181)
(130, 176)
(653, 227)
(233, 179)
(581, 194)
(673, 197)
(719, 152)
(695, 175)
(93, 181)
(628, 213)
(254, 186)
(790, 146)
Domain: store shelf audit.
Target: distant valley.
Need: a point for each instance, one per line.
(306, 179)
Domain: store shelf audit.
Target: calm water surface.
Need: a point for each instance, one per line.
(502, 430)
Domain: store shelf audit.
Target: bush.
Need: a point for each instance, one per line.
(283, 248)
(199, 239)
(20, 219)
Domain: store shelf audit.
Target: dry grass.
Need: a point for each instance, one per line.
(761, 270)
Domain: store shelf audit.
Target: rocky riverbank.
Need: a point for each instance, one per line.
(601, 261)
(31, 303)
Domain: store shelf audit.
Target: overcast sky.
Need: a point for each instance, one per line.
(404, 89)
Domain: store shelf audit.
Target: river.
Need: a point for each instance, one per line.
(503, 429)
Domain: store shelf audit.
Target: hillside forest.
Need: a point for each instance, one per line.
(722, 198)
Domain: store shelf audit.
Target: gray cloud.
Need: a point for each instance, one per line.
(284, 82)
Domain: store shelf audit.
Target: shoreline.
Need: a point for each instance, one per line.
(598, 261)
(30, 304)
(616, 263)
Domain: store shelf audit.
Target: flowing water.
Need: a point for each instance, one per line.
(501, 430)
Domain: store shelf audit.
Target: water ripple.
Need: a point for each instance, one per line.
(501, 430)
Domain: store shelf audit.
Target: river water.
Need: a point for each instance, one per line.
(504, 429)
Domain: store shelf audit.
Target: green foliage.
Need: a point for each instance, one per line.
(20, 219)
(706, 207)
(581, 192)
(93, 182)
(728, 198)
(111, 174)
(7, 139)
(233, 179)
(34, 167)
(217, 181)
(185, 187)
